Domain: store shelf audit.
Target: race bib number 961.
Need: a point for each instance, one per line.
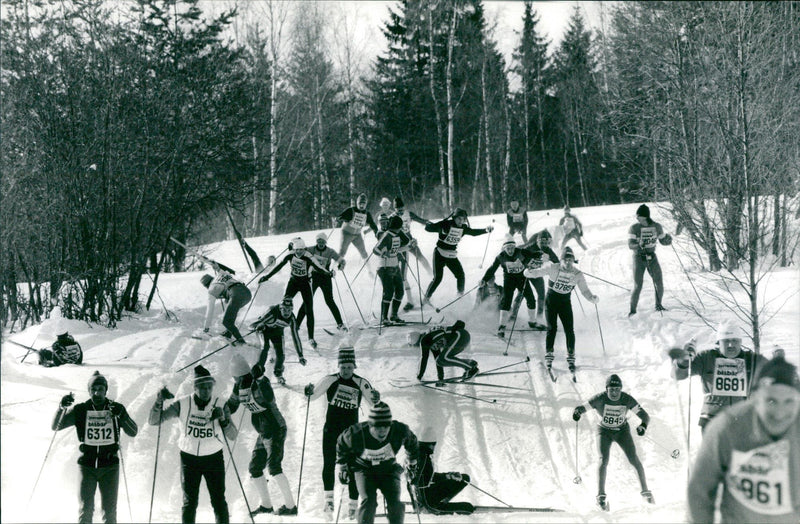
(759, 478)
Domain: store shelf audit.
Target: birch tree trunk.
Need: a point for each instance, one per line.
(487, 145)
(451, 36)
(436, 112)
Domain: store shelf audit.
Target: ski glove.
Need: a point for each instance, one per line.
(341, 264)
(489, 228)
(640, 429)
(117, 409)
(375, 396)
(257, 370)
(595, 299)
(263, 279)
(67, 400)
(576, 414)
(303, 361)
(164, 394)
(666, 240)
(344, 474)
(411, 471)
(218, 413)
(309, 390)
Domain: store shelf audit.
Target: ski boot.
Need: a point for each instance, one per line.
(226, 334)
(395, 320)
(501, 331)
(408, 307)
(279, 377)
(259, 510)
(328, 508)
(647, 495)
(312, 343)
(341, 328)
(352, 508)
(440, 384)
(471, 372)
(601, 501)
(283, 510)
(659, 307)
(631, 313)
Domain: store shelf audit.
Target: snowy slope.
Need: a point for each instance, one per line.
(521, 448)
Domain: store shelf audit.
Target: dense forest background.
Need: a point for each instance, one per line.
(126, 123)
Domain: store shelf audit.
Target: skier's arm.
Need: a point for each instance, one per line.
(227, 425)
(381, 246)
(509, 220)
(127, 424)
(411, 444)
(563, 219)
(367, 392)
(435, 227)
(525, 219)
(158, 414)
(322, 386)
(233, 401)
(344, 447)
(708, 471)
(578, 225)
(580, 280)
(65, 417)
(346, 216)
(277, 267)
(298, 346)
(209, 311)
(371, 223)
(633, 239)
(475, 232)
(416, 218)
(311, 260)
(491, 270)
(539, 272)
(423, 363)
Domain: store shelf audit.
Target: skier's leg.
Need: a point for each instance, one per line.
(329, 437)
(438, 271)
(86, 491)
(390, 487)
(569, 331)
(448, 356)
(301, 313)
(552, 328)
(108, 482)
(280, 356)
(578, 239)
(638, 279)
(190, 480)
(308, 303)
(422, 260)
(530, 301)
(605, 450)
(358, 241)
(239, 296)
(388, 292)
(625, 441)
(214, 473)
(326, 283)
(538, 284)
(367, 496)
(397, 290)
(654, 268)
(347, 239)
(458, 271)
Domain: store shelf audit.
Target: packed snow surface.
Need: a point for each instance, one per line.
(518, 444)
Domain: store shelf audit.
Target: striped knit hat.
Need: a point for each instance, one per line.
(202, 375)
(380, 415)
(509, 240)
(347, 354)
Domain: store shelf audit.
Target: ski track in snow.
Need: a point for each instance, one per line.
(520, 449)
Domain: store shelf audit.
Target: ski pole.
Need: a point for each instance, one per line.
(61, 412)
(606, 281)
(517, 304)
(689, 428)
(413, 499)
(675, 453)
(354, 298)
(341, 500)
(125, 479)
(366, 261)
(236, 471)
(487, 493)
(303, 451)
(486, 248)
(29, 348)
(597, 312)
(492, 401)
(239, 426)
(492, 371)
(421, 298)
(687, 276)
(439, 309)
(372, 295)
(155, 467)
(577, 479)
(209, 354)
(580, 303)
(339, 292)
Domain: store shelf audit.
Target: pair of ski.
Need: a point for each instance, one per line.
(553, 377)
(462, 380)
(491, 509)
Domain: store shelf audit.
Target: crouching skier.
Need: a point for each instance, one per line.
(433, 491)
(365, 453)
(445, 344)
(257, 396)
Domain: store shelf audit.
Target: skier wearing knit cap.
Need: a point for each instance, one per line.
(352, 220)
(513, 260)
(571, 227)
(517, 219)
(613, 405)
(97, 423)
(444, 343)
(271, 326)
(642, 238)
(563, 277)
(450, 231)
(389, 248)
(365, 454)
(407, 217)
(324, 256)
(234, 295)
(725, 370)
(433, 491)
(205, 422)
(386, 206)
(539, 245)
(752, 450)
(256, 395)
(300, 280)
(343, 393)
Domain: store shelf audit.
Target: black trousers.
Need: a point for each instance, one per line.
(392, 282)
(512, 283)
(193, 469)
(559, 306)
(303, 286)
(275, 336)
(439, 263)
(624, 438)
(324, 282)
(330, 434)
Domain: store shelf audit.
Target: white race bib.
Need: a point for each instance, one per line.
(376, 456)
(649, 235)
(345, 397)
(359, 220)
(199, 426)
(613, 416)
(99, 428)
(569, 224)
(563, 284)
(730, 378)
(514, 266)
(299, 267)
(454, 235)
(246, 399)
(759, 478)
